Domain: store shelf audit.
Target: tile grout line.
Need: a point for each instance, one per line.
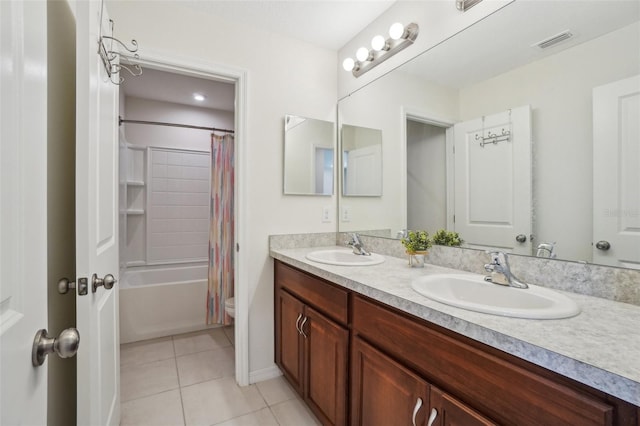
(175, 358)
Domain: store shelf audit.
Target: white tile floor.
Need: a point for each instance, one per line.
(188, 379)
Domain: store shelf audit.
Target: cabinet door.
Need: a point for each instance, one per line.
(289, 315)
(448, 411)
(327, 354)
(384, 392)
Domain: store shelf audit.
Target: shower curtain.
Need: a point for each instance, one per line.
(221, 232)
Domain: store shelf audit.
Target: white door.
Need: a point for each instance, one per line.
(616, 173)
(493, 181)
(98, 371)
(364, 171)
(23, 206)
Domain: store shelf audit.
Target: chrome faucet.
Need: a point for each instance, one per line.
(357, 246)
(546, 250)
(501, 272)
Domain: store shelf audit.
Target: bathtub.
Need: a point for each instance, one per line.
(162, 301)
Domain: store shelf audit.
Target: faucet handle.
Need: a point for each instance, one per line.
(497, 257)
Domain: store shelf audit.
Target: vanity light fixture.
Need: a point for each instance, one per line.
(400, 37)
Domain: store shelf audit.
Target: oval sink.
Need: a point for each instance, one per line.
(473, 293)
(344, 257)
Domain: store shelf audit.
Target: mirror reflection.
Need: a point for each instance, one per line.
(582, 92)
(361, 150)
(308, 156)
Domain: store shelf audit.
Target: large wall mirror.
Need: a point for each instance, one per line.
(522, 133)
(308, 156)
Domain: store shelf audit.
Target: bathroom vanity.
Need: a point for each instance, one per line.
(362, 354)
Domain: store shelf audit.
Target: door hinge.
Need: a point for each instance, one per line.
(454, 218)
(237, 248)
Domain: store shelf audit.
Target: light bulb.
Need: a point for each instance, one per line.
(362, 54)
(348, 64)
(378, 43)
(198, 97)
(396, 31)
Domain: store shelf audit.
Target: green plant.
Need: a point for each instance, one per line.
(416, 241)
(442, 237)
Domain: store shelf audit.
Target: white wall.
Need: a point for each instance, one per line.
(172, 137)
(438, 20)
(559, 90)
(285, 76)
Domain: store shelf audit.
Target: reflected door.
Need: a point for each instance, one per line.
(616, 174)
(493, 181)
(362, 175)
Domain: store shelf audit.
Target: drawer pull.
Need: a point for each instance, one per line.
(415, 410)
(298, 323)
(432, 417)
(304, 321)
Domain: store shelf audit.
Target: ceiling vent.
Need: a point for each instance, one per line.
(464, 5)
(553, 40)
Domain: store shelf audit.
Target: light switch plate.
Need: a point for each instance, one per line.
(346, 214)
(326, 214)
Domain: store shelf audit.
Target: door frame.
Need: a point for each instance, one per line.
(446, 123)
(210, 70)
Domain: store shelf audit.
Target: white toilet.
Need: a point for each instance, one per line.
(230, 307)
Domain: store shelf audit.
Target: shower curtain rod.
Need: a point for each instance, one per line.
(160, 123)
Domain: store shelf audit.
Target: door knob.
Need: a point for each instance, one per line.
(64, 285)
(108, 281)
(65, 345)
(603, 245)
(521, 238)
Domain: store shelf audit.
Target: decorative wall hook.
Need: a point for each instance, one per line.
(111, 56)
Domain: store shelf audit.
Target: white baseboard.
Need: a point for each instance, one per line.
(264, 374)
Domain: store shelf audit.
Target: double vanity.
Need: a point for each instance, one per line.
(359, 340)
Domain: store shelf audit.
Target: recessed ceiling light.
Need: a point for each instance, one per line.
(198, 97)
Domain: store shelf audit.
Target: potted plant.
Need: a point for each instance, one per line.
(442, 237)
(416, 243)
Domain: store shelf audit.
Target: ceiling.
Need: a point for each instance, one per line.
(326, 23)
(507, 39)
(177, 88)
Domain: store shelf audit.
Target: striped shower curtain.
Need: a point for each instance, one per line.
(221, 231)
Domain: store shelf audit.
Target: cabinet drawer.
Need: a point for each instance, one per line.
(327, 298)
(494, 385)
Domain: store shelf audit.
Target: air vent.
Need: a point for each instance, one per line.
(464, 5)
(548, 42)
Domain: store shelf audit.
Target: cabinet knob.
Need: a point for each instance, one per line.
(415, 410)
(603, 245)
(432, 417)
(521, 238)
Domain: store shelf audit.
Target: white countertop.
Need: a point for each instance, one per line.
(600, 347)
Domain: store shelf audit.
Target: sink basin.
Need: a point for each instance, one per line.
(344, 257)
(473, 293)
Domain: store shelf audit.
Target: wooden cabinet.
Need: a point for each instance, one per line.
(445, 410)
(404, 370)
(383, 392)
(289, 350)
(312, 349)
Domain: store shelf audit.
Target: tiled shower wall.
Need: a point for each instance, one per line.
(178, 208)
